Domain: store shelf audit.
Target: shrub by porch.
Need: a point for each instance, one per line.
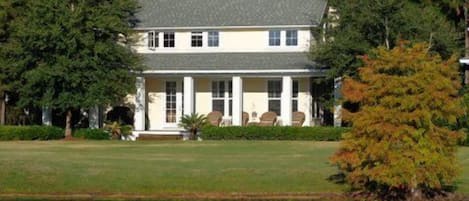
(273, 133)
(8, 133)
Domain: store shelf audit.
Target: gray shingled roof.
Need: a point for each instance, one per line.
(228, 61)
(209, 13)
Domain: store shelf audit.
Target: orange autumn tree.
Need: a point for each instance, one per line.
(399, 144)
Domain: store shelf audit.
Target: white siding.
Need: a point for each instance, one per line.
(234, 40)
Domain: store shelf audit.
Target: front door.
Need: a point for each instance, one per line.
(173, 103)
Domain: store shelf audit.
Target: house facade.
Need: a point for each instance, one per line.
(231, 56)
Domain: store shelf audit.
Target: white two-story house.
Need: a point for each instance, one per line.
(231, 56)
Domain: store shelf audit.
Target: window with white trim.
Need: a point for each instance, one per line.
(295, 95)
(222, 97)
(213, 38)
(274, 88)
(292, 37)
(171, 104)
(197, 39)
(168, 39)
(274, 38)
(153, 39)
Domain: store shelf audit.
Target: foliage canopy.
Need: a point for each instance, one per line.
(362, 25)
(69, 54)
(400, 143)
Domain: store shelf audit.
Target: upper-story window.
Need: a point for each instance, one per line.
(213, 39)
(274, 38)
(153, 40)
(197, 39)
(169, 39)
(292, 38)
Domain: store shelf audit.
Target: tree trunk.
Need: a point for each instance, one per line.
(194, 134)
(2, 109)
(68, 125)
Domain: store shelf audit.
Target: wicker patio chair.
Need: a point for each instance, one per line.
(268, 119)
(298, 119)
(215, 118)
(245, 118)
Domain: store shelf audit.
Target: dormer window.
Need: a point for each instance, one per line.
(153, 39)
(274, 38)
(292, 38)
(169, 39)
(197, 39)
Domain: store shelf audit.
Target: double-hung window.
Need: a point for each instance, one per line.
(169, 39)
(213, 39)
(292, 37)
(274, 88)
(274, 38)
(153, 40)
(197, 39)
(222, 97)
(295, 96)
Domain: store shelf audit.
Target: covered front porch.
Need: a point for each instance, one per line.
(231, 83)
(161, 100)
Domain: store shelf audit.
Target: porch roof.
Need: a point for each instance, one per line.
(230, 62)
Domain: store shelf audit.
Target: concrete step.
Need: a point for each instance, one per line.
(150, 137)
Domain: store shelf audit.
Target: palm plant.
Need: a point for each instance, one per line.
(118, 130)
(193, 123)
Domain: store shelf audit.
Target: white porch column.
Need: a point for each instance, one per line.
(286, 100)
(140, 104)
(189, 95)
(47, 116)
(237, 101)
(93, 117)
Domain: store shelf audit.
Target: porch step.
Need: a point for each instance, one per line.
(149, 137)
(166, 134)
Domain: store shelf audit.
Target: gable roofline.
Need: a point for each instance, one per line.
(227, 27)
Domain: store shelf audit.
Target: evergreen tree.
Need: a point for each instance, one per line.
(363, 25)
(400, 145)
(71, 54)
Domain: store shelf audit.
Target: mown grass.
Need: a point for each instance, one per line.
(146, 168)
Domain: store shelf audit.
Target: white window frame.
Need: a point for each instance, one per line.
(279, 98)
(200, 38)
(291, 38)
(153, 40)
(168, 40)
(275, 38)
(295, 97)
(213, 40)
(227, 96)
(179, 103)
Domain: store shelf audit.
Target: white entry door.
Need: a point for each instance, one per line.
(173, 103)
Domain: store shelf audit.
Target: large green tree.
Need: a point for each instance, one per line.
(363, 25)
(400, 145)
(70, 54)
(9, 10)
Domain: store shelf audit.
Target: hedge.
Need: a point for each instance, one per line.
(91, 134)
(8, 133)
(273, 133)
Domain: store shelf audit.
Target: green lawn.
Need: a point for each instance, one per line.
(172, 167)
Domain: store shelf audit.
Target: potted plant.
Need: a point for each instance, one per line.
(118, 131)
(193, 123)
